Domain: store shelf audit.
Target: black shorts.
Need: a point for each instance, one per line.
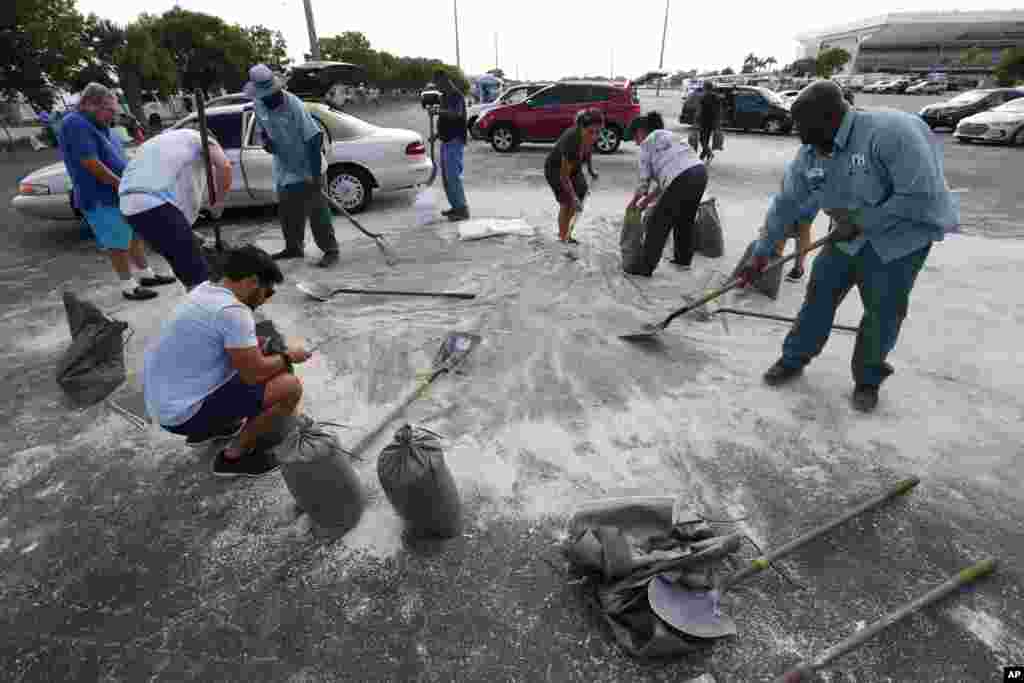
(554, 178)
(233, 401)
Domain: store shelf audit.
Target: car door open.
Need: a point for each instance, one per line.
(257, 165)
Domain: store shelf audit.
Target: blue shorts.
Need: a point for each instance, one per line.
(111, 229)
(225, 406)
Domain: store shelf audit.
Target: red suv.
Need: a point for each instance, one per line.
(546, 114)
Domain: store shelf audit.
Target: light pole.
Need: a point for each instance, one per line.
(458, 58)
(495, 51)
(314, 44)
(661, 62)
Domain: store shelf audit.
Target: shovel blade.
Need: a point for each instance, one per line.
(687, 611)
(315, 291)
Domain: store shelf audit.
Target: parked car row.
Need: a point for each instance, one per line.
(950, 113)
(362, 159)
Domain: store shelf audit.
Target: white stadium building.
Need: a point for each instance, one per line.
(922, 42)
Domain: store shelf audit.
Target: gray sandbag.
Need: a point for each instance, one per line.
(271, 341)
(320, 476)
(93, 366)
(707, 230)
(769, 282)
(631, 241)
(419, 484)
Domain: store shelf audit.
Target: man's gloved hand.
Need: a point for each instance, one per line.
(844, 225)
(752, 270)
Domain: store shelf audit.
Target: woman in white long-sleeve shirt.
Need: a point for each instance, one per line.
(680, 178)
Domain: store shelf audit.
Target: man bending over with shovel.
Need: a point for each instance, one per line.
(880, 178)
(206, 378)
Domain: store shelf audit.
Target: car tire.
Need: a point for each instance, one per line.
(155, 121)
(1018, 137)
(773, 125)
(608, 140)
(350, 186)
(504, 138)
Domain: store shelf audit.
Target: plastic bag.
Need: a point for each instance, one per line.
(427, 207)
(419, 484)
(631, 241)
(93, 366)
(482, 228)
(320, 477)
(707, 229)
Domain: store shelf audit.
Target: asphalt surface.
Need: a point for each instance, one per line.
(108, 574)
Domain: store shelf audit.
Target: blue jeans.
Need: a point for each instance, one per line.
(451, 172)
(885, 294)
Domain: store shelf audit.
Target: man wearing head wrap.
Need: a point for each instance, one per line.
(879, 176)
(296, 141)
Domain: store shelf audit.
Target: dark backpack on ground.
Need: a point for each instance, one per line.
(93, 366)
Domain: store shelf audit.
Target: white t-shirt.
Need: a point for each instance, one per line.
(190, 361)
(662, 158)
(167, 168)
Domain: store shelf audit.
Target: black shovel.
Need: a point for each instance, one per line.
(215, 259)
(698, 613)
(651, 331)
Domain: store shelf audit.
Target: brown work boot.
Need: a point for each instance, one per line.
(329, 259)
(865, 397)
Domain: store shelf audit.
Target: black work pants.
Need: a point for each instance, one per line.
(676, 210)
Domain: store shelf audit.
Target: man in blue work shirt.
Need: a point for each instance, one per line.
(295, 140)
(880, 178)
(95, 160)
(451, 128)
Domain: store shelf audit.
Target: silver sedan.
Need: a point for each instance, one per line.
(362, 159)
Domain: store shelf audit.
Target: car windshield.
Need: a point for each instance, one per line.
(771, 96)
(968, 97)
(515, 96)
(1016, 106)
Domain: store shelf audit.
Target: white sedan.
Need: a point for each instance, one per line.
(361, 159)
(1004, 123)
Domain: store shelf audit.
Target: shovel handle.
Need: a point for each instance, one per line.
(393, 292)
(780, 318)
(764, 561)
(736, 282)
(803, 671)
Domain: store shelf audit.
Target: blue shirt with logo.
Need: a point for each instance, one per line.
(81, 139)
(886, 166)
(290, 127)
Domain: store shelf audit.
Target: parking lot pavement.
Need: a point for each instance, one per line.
(125, 560)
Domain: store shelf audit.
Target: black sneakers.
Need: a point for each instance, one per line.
(780, 374)
(865, 397)
(795, 275)
(157, 281)
(139, 294)
(329, 259)
(459, 215)
(287, 254)
(228, 432)
(252, 464)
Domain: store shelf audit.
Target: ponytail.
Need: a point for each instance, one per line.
(654, 121)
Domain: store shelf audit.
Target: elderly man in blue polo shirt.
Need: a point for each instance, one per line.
(879, 176)
(296, 142)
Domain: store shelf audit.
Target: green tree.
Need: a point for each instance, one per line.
(351, 46)
(750, 63)
(268, 47)
(42, 47)
(206, 51)
(769, 62)
(831, 60)
(143, 64)
(1010, 68)
(976, 56)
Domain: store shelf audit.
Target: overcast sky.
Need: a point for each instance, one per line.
(548, 39)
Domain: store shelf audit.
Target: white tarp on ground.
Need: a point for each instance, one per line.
(480, 228)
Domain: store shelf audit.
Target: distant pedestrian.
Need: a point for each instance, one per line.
(563, 168)
(680, 178)
(879, 176)
(296, 143)
(162, 191)
(451, 129)
(710, 118)
(95, 160)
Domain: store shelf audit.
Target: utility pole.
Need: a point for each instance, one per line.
(661, 62)
(495, 50)
(458, 58)
(314, 44)
(611, 74)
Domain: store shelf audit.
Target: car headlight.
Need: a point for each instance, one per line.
(33, 189)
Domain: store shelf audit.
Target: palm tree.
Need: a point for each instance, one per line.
(750, 63)
(770, 62)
